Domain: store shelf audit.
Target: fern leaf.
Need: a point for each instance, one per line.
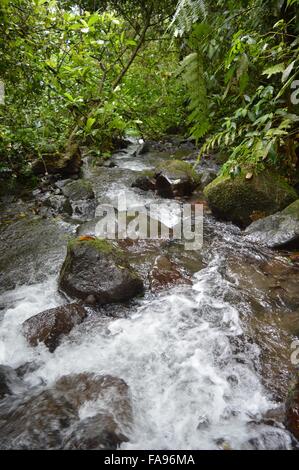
(193, 75)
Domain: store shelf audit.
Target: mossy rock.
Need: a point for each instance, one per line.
(97, 271)
(78, 190)
(176, 178)
(239, 199)
(292, 210)
(176, 169)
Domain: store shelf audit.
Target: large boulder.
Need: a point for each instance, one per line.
(50, 326)
(78, 190)
(10, 383)
(245, 197)
(292, 411)
(96, 269)
(49, 419)
(67, 162)
(280, 230)
(176, 178)
(35, 422)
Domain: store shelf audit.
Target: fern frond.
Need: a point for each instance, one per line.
(193, 76)
(187, 13)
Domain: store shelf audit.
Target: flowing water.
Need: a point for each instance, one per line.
(206, 363)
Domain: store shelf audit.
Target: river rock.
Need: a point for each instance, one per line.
(176, 178)
(59, 204)
(99, 432)
(49, 419)
(146, 183)
(48, 327)
(10, 383)
(105, 430)
(82, 199)
(36, 422)
(292, 411)
(165, 274)
(78, 190)
(98, 268)
(86, 387)
(66, 163)
(240, 200)
(280, 230)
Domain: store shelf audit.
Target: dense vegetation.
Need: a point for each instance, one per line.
(224, 72)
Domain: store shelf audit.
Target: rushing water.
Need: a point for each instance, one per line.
(188, 354)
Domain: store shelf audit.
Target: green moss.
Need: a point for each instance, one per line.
(147, 173)
(237, 199)
(99, 244)
(292, 209)
(178, 168)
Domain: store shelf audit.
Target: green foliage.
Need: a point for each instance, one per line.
(250, 57)
(82, 74)
(193, 76)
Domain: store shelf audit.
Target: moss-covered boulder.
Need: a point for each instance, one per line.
(241, 200)
(78, 190)
(280, 230)
(97, 272)
(176, 178)
(67, 162)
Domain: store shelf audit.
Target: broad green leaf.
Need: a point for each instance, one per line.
(278, 68)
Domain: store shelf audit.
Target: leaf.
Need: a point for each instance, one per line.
(84, 238)
(249, 176)
(278, 68)
(89, 123)
(131, 42)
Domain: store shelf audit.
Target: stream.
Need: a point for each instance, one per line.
(207, 363)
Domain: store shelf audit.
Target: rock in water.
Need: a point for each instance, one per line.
(49, 419)
(146, 183)
(172, 178)
(176, 178)
(280, 230)
(98, 268)
(99, 432)
(59, 204)
(237, 199)
(292, 411)
(82, 199)
(10, 383)
(48, 327)
(165, 274)
(78, 190)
